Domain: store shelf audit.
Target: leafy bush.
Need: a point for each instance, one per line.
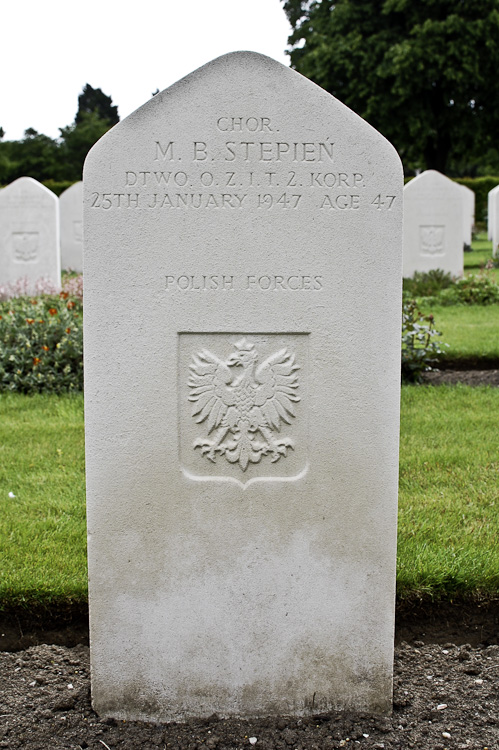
(41, 344)
(420, 350)
(477, 289)
(427, 283)
(58, 186)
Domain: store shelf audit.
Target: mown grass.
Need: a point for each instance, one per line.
(449, 491)
(42, 528)
(475, 261)
(449, 496)
(471, 331)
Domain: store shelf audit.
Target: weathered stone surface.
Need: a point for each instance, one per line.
(71, 211)
(493, 219)
(242, 264)
(490, 210)
(468, 214)
(29, 233)
(433, 224)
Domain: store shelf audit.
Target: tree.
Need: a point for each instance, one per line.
(423, 73)
(94, 101)
(77, 140)
(35, 156)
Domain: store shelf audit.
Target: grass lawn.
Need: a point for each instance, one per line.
(471, 331)
(475, 261)
(42, 528)
(449, 491)
(449, 496)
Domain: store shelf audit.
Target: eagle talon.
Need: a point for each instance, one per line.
(280, 448)
(209, 448)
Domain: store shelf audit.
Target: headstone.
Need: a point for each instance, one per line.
(433, 224)
(468, 214)
(242, 264)
(490, 210)
(71, 210)
(492, 216)
(494, 206)
(29, 233)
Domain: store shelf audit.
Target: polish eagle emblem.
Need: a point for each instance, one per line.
(243, 404)
(432, 240)
(25, 246)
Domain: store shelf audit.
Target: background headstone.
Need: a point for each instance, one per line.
(492, 233)
(494, 220)
(71, 213)
(468, 214)
(242, 264)
(433, 224)
(490, 210)
(29, 233)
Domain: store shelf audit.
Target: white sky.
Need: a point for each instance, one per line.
(51, 48)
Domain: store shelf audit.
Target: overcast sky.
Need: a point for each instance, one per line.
(51, 48)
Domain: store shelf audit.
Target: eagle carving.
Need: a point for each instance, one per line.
(25, 246)
(432, 239)
(243, 404)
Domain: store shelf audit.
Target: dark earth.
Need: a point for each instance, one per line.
(466, 377)
(446, 684)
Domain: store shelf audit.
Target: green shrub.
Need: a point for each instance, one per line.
(420, 350)
(427, 283)
(41, 344)
(58, 186)
(476, 289)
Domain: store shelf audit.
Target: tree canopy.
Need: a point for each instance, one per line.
(423, 73)
(44, 158)
(94, 101)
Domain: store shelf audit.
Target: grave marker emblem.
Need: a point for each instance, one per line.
(246, 410)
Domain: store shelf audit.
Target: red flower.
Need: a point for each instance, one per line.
(64, 295)
(70, 305)
(68, 330)
(29, 321)
(34, 301)
(45, 348)
(52, 311)
(41, 321)
(36, 361)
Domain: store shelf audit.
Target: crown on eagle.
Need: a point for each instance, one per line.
(243, 345)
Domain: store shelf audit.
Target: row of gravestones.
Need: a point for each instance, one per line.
(438, 223)
(39, 232)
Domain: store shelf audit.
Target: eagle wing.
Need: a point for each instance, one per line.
(210, 394)
(276, 392)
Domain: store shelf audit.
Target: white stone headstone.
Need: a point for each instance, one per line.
(468, 214)
(433, 224)
(71, 211)
(492, 218)
(29, 233)
(490, 210)
(242, 264)
(494, 222)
